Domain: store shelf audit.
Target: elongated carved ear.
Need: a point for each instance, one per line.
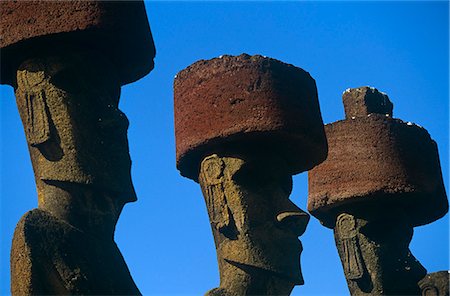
(349, 249)
(33, 109)
(37, 121)
(212, 182)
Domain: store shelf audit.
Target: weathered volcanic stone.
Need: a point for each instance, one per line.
(65, 260)
(376, 158)
(118, 29)
(435, 284)
(247, 102)
(364, 100)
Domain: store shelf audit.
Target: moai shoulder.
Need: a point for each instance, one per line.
(67, 61)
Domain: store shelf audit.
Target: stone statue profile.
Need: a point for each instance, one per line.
(69, 108)
(255, 225)
(375, 255)
(244, 126)
(381, 179)
(67, 74)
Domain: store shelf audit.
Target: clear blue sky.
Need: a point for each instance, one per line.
(400, 48)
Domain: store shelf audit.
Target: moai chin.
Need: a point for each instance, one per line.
(239, 123)
(382, 177)
(67, 62)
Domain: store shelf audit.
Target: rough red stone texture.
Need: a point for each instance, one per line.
(378, 159)
(247, 102)
(118, 29)
(364, 100)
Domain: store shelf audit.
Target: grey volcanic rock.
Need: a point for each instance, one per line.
(73, 263)
(244, 125)
(67, 61)
(435, 284)
(382, 177)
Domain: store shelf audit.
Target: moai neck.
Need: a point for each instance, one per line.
(83, 207)
(243, 280)
(253, 223)
(375, 253)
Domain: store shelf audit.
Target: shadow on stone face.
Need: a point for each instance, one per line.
(67, 61)
(244, 125)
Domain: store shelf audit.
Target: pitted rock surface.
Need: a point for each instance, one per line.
(365, 100)
(118, 29)
(435, 284)
(376, 158)
(247, 102)
(74, 263)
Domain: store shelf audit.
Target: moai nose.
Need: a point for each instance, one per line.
(295, 221)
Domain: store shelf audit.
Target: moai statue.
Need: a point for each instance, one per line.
(435, 284)
(67, 61)
(239, 124)
(382, 177)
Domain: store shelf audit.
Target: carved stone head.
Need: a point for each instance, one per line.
(375, 255)
(435, 284)
(76, 133)
(254, 223)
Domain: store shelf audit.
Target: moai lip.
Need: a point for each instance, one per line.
(118, 29)
(247, 101)
(240, 122)
(374, 157)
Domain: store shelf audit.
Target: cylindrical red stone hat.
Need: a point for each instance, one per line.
(117, 29)
(374, 158)
(247, 102)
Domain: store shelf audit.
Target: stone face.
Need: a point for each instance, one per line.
(382, 177)
(435, 284)
(255, 225)
(365, 100)
(51, 257)
(118, 29)
(244, 125)
(78, 145)
(67, 61)
(250, 102)
(377, 158)
(374, 251)
(69, 108)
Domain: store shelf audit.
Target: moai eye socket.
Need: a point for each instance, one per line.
(252, 175)
(69, 80)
